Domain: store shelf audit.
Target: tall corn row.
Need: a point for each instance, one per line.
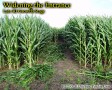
(21, 40)
(109, 38)
(35, 34)
(8, 42)
(1, 45)
(90, 39)
(76, 38)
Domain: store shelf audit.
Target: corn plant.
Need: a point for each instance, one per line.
(35, 34)
(8, 42)
(76, 36)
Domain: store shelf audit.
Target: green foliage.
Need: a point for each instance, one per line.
(22, 39)
(101, 75)
(52, 53)
(25, 40)
(45, 71)
(90, 40)
(25, 75)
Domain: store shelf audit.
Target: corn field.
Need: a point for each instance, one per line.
(21, 40)
(90, 40)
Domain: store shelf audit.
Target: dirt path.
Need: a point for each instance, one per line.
(64, 74)
(61, 76)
